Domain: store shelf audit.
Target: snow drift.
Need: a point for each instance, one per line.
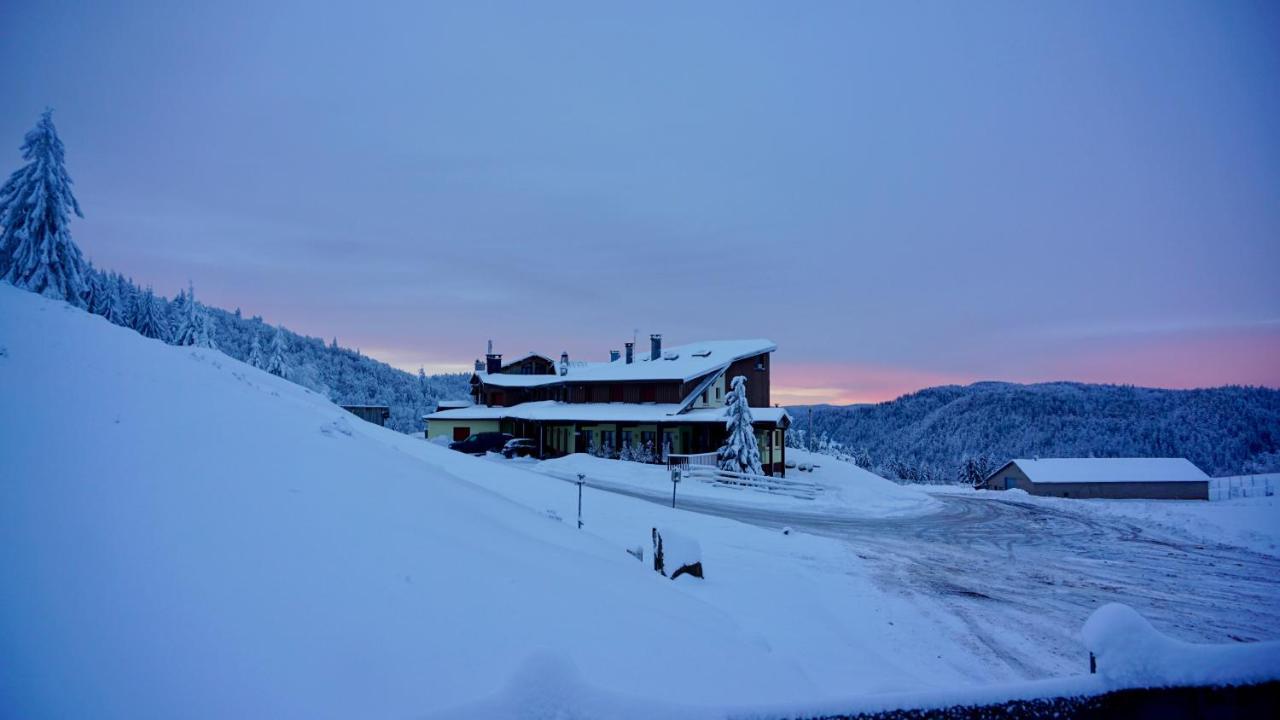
(1133, 654)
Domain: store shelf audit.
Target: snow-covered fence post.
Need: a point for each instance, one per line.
(582, 480)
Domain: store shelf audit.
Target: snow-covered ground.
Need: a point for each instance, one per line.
(1252, 523)
(842, 487)
(184, 536)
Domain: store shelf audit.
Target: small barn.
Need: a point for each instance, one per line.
(1152, 478)
(376, 414)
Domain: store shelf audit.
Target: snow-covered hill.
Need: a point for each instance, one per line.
(926, 436)
(182, 535)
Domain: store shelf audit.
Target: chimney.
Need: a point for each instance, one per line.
(614, 355)
(493, 363)
(631, 349)
(564, 363)
(479, 365)
(655, 347)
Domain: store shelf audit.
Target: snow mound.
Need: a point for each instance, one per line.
(678, 550)
(1132, 653)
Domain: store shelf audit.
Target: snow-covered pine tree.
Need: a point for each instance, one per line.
(148, 319)
(624, 451)
(94, 290)
(740, 452)
(114, 308)
(205, 332)
(36, 250)
(186, 321)
(276, 363)
(255, 353)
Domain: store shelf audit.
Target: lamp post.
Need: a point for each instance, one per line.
(675, 478)
(582, 480)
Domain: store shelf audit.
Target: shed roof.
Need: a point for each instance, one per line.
(1108, 470)
(680, 363)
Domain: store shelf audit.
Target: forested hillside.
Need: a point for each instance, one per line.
(936, 434)
(343, 375)
(38, 254)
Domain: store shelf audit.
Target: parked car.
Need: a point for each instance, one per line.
(481, 443)
(519, 447)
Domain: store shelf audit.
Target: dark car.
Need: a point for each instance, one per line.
(481, 443)
(519, 447)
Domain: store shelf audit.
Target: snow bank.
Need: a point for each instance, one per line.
(1131, 653)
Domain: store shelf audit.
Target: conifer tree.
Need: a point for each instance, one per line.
(148, 319)
(255, 353)
(36, 250)
(187, 321)
(205, 332)
(114, 308)
(276, 363)
(740, 452)
(96, 295)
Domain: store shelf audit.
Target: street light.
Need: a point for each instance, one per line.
(582, 480)
(675, 478)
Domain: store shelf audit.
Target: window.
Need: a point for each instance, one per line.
(704, 397)
(626, 439)
(606, 440)
(719, 390)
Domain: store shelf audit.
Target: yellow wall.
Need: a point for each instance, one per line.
(712, 400)
(436, 428)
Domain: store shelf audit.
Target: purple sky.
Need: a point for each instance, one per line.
(899, 195)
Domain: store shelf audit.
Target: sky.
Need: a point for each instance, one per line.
(897, 194)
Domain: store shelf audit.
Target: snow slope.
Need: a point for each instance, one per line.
(204, 539)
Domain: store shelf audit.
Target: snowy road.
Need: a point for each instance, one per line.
(1016, 580)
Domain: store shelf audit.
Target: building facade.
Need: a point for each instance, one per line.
(667, 401)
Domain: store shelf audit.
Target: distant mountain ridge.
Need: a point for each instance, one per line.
(928, 435)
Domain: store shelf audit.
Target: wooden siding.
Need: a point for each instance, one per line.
(757, 380)
(530, 366)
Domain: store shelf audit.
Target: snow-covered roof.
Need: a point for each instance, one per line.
(681, 363)
(551, 411)
(1108, 470)
(526, 356)
(453, 404)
